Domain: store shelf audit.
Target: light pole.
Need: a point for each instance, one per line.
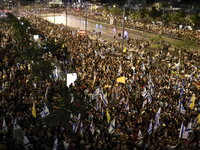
(66, 14)
(124, 12)
(85, 18)
(54, 14)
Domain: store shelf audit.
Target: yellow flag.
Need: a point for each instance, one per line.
(34, 110)
(108, 116)
(198, 119)
(124, 50)
(121, 79)
(192, 101)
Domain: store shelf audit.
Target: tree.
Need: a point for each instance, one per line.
(116, 11)
(195, 20)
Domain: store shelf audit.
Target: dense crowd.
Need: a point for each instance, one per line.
(121, 113)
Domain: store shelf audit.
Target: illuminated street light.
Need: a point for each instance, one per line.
(124, 18)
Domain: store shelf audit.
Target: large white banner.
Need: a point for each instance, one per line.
(71, 78)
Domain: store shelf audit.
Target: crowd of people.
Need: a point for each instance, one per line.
(137, 98)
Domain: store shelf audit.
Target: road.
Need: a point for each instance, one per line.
(79, 23)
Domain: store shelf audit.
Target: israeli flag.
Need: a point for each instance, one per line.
(81, 128)
(181, 108)
(150, 129)
(111, 127)
(55, 144)
(96, 92)
(72, 98)
(157, 122)
(92, 128)
(122, 100)
(16, 126)
(45, 111)
(103, 98)
(183, 133)
(143, 67)
(4, 126)
(26, 142)
(189, 127)
(127, 106)
(119, 70)
(151, 85)
(140, 137)
(144, 93)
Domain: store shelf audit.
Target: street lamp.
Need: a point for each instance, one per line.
(85, 17)
(124, 18)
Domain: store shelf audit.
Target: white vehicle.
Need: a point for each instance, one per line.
(56, 2)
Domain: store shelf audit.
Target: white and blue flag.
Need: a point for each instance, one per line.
(157, 119)
(45, 111)
(26, 142)
(4, 126)
(181, 108)
(111, 127)
(183, 133)
(150, 129)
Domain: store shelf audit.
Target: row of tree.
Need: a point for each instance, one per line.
(179, 18)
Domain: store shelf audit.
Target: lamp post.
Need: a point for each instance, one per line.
(85, 18)
(124, 12)
(66, 15)
(54, 14)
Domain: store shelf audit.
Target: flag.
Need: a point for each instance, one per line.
(4, 126)
(140, 137)
(151, 85)
(81, 128)
(76, 122)
(94, 79)
(192, 101)
(55, 144)
(103, 98)
(181, 108)
(34, 110)
(26, 143)
(16, 126)
(198, 119)
(45, 111)
(121, 80)
(96, 92)
(127, 106)
(124, 50)
(102, 112)
(143, 67)
(150, 129)
(92, 128)
(144, 93)
(189, 127)
(144, 103)
(111, 127)
(107, 116)
(72, 98)
(122, 100)
(119, 70)
(183, 134)
(157, 118)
